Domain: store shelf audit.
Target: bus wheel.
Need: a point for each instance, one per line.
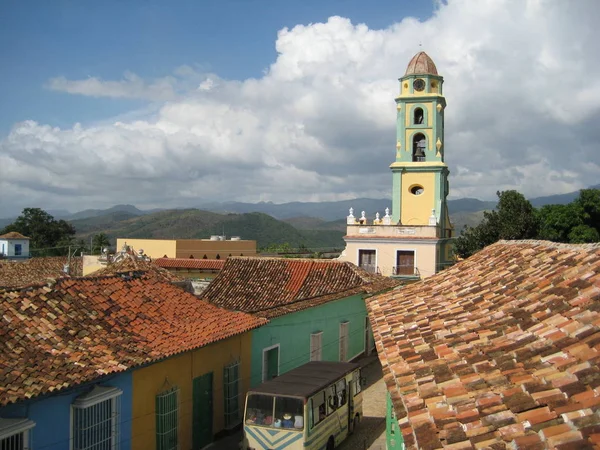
(356, 422)
(330, 443)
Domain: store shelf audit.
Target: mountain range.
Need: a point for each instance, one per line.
(312, 224)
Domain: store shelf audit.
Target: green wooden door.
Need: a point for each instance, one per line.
(272, 360)
(202, 425)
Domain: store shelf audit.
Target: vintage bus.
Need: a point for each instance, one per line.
(314, 406)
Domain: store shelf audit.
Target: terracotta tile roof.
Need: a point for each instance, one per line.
(36, 270)
(190, 263)
(130, 264)
(54, 337)
(275, 286)
(499, 351)
(13, 235)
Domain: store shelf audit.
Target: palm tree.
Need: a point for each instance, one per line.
(100, 242)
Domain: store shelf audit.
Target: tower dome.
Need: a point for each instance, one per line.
(421, 64)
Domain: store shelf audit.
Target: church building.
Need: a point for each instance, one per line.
(413, 240)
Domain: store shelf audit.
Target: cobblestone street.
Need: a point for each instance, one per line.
(370, 434)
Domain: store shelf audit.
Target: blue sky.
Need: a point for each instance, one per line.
(181, 103)
(40, 40)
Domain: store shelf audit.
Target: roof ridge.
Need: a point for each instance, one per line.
(549, 244)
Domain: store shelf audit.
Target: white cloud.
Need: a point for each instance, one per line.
(520, 83)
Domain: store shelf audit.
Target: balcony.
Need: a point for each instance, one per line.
(406, 271)
(399, 231)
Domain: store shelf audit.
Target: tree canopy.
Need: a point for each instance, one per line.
(515, 218)
(49, 237)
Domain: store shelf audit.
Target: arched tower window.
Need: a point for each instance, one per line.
(419, 145)
(418, 116)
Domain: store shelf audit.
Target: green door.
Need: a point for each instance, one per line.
(202, 426)
(272, 363)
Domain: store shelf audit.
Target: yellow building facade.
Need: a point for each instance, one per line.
(203, 390)
(413, 240)
(214, 248)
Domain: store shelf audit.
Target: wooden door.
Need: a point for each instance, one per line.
(202, 424)
(405, 262)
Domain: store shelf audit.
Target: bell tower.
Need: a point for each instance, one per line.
(414, 241)
(420, 175)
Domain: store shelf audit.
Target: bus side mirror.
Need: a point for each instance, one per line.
(363, 381)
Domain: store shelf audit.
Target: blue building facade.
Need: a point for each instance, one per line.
(85, 415)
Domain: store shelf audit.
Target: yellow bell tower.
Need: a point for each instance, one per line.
(414, 240)
(420, 175)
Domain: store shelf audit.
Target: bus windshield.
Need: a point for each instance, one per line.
(275, 412)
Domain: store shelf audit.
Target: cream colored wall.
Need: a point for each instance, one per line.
(416, 209)
(180, 371)
(91, 264)
(425, 254)
(154, 248)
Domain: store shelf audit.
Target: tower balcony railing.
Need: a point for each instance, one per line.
(418, 158)
(380, 230)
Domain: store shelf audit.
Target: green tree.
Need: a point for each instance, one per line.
(49, 237)
(557, 221)
(513, 218)
(582, 234)
(588, 204)
(99, 242)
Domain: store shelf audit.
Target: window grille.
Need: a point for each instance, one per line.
(14, 434)
(231, 374)
(344, 341)
(167, 419)
(95, 420)
(316, 346)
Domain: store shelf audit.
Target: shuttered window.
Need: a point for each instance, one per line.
(167, 419)
(14, 434)
(316, 346)
(95, 420)
(344, 327)
(231, 375)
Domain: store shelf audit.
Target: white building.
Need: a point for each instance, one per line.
(14, 245)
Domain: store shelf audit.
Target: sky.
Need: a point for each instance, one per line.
(176, 104)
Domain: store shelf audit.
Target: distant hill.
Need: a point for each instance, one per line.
(102, 212)
(198, 224)
(559, 199)
(323, 210)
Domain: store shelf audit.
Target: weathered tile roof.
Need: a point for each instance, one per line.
(190, 263)
(277, 286)
(499, 351)
(132, 264)
(36, 270)
(13, 235)
(79, 329)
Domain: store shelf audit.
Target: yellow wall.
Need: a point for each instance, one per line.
(180, 371)
(154, 248)
(425, 254)
(416, 209)
(200, 247)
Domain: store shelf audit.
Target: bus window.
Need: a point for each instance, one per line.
(289, 412)
(340, 390)
(331, 399)
(259, 409)
(356, 382)
(318, 408)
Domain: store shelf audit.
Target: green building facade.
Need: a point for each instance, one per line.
(334, 331)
